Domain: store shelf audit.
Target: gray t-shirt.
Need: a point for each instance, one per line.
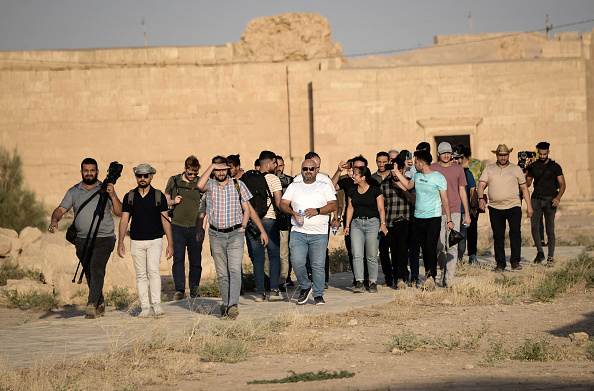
(75, 197)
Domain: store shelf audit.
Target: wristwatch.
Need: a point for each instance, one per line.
(318, 209)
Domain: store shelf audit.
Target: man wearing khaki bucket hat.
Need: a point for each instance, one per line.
(505, 205)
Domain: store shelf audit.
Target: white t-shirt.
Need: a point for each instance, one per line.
(304, 196)
(320, 176)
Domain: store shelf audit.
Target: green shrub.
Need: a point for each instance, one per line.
(339, 260)
(9, 271)
(531, 350)
(228, 351)
(209, 288)
(42, 301)
(19, 207)
(119, 297)
(307, 376)
(576, 271)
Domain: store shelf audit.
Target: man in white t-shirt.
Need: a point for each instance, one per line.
(309, 202)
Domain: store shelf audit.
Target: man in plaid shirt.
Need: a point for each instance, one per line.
(400, 206)
(228, 212)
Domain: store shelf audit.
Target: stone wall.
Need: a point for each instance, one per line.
(159, 105)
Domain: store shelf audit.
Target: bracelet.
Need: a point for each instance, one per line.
(450, 222)
(383, 223)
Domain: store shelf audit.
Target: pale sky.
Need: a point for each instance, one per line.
(368, 26)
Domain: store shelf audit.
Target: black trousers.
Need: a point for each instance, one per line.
(95, 272)
(427, 231)
(472, 233)
(398, 239)
(513, 217)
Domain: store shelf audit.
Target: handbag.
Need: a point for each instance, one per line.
(454, 238)
(71, 232)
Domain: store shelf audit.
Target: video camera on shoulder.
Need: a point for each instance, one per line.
(524, 156)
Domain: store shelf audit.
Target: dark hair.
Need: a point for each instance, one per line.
(424, 156)
(279, 157)
(267, 155)
(400, 159)
(467, 152)
(219, 160)
(459, 149)
(424, 146)
(364, 172)
(359, 158)
(234, 160)
(192, 162)
(311, 154)
(89, 160)
(382, 153)
(257, 163)
(543, 145)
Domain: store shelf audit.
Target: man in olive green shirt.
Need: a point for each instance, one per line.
(183, 197)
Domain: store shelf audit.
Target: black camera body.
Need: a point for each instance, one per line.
(113, 173)
(523, 157)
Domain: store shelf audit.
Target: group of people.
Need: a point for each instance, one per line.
(409, 205)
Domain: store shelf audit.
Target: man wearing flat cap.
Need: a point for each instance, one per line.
(549, 186)
(148, 208)
(503, 179)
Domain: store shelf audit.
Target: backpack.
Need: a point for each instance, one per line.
(178, 178)
(157, 200)
(256, 183)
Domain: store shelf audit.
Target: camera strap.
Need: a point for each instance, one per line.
(85, 204)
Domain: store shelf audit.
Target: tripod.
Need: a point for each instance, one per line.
(87, 251)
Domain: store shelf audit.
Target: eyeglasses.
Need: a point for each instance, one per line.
(142, 175)
(308, 169)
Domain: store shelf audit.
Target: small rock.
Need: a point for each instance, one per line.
(29, 235)
(5, 245)
(469, 366)
(579, 338)
(397, 351)
(11, 233)
(353, 322)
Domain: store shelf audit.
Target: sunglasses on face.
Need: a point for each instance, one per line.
(191, 173)
(308, 168)
(142, 176)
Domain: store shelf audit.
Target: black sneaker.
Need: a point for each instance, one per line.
(319, 300)
(194, 293)
(373, 287)
(516, 266)
(539, 258)
(304, 296)
(260, 297)
(282, 288)
(179, 295)
(275, 296)
(359, 287)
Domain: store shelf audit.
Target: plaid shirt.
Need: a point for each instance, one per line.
(397, 206)
(223, 206)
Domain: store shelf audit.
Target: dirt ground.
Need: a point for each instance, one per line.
(359, 341)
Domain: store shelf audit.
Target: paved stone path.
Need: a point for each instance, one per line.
(67, 335)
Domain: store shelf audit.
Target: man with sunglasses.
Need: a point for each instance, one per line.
(183, 199)
(148, 209)
(309, 202)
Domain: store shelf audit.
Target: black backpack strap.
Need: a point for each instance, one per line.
(131, 200)
(274, 207)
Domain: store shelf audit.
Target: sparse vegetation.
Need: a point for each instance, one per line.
(10, 271)
(119, 297)
(41, 301)
(339, 260)
(306, 376)
(19, 207)
(577, 272)
(535, 350)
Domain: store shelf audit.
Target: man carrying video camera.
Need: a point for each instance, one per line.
(104, 243)
(549, 186)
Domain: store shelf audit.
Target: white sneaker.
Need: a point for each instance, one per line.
(145, 313)
(158, 310)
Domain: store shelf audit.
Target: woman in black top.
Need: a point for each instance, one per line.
(365, 218)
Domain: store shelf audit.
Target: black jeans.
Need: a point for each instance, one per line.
(95, 272)
(185, 237)
(513, 217)
(427, 231)
(384, 258)
(543, 207)
(398, 238)
(472, 233)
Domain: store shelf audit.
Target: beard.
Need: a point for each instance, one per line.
(542, 160)
(221, 179)
(89, 180)
(143, 185)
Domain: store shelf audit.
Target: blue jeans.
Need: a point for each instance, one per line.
(364, 235)
(227, 252)
(185, 237)
(301, 245)
(258, 252)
